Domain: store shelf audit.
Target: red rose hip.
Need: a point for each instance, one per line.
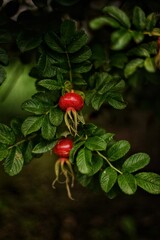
(63, 147)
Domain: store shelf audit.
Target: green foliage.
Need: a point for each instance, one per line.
(64, 59)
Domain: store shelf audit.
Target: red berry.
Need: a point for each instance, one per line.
(71, 99)
(63, 147)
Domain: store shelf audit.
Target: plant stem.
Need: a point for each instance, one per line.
(22, 141)
(70, 69)
(101, 155)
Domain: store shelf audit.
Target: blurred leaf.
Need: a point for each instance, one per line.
(120, 39)
(139, 18)
(136, 162)
(132, 66)
(118, 60)
(3, 74)
(5, 36)
(149, 65)
(102, 21)
(3, 57)
(151, 21)
(149, 181)
(137, 36)
(32, 124)
(28, 40)
(40, 3)
(118, 14)
(118, 150)
(127, 183)
(83, 161)
(3, 151)
(14, 162)
(95, 143)
(48, 131)
(139, 51)
(6, 135)
(67, 2)
(107, 179)
(117, 101)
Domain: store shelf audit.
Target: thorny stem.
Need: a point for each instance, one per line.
(22, 141)
(101, 155)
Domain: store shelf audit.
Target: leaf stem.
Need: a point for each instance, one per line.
(22, 141)
(70, 69)
(109, 163)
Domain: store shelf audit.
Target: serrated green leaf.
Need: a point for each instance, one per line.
(3, 151)
(79, 40)
(148, 181)
(15, 125)
(34, 106)
(74, 150)
(136, 162)
(97, 101)
(95, 143)
(45, 66)
(14, 161)
(48, 131)
(99, 22)
(3, 57)
(132, 66)
(96, 164)
(149, 65)
(118, 150)
(83, 161)
(151, 21)
(67, 30)
(139, 18)
(6, 134)
(89, 95)
(127, 183)
(55, 116)
(107, 179)
(43, 146)
(51, 85)
(118, 14)
(82, 68)
(3, 75)
(28, 40)
(27, 151)
(32, 124)
(82, 55)
(116, 101)
(120, 39)
(53, 41)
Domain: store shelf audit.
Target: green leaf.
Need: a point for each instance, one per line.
(53, 41)
(95, 143)
(84, 180)
(132, 66)
(97, 101)
(148, 181)
(55, 116)
(120, 39)
(107, 179)
(43, 146)
(2, 74)
(118, 150)
(28, 40)
(79, 40)
(14, 162)
(34, 106)
(67, 30)
(82, 68)
(32, 124)
(139, 51)
(137, 36)
(3, 151)
(3, 57)
(83, 161)
(117, 101)
(149, 65)
(45, 66)
(74, 150)
(151, 21)
(48, 131)
(136, 162)
(118, 15)
(139, 18)
(51, 85)
(82, 55)
(118, 60)
(127, 183)
(96, 164)
(27, 151)
(99, 22)
(6, 134)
